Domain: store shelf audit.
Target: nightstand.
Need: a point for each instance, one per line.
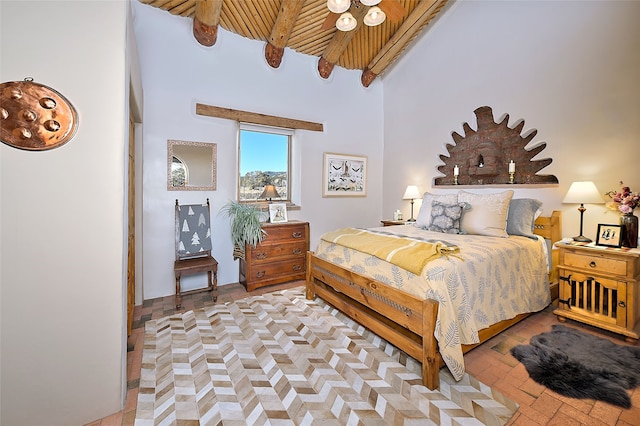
(393, 222)
(600, 287)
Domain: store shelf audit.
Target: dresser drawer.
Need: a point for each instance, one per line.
(279, 233)
(596, 263)
(267, 271)
(273, 252)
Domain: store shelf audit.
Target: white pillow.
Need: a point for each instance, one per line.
(424, 215)
(488, 213)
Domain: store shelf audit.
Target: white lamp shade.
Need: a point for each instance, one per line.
(583, 193)
(370, 2)
(375, 16)
(346, 22)
(412, 192)
(338, 6)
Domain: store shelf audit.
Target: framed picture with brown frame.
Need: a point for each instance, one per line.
(344, 175)
(609, 235)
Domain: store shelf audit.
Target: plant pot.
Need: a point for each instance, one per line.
(629, 223)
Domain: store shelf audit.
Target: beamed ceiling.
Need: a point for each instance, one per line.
(307, 26)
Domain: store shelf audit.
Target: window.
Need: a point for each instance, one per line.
(264, 159)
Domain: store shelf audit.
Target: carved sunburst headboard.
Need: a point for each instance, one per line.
(483, 155)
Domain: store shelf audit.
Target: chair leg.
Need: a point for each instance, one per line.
(213, 285)
(178, 295)
(214, 294)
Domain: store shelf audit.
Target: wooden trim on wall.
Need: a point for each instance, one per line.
(255, 118)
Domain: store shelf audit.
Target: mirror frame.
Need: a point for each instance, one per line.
(170, 154)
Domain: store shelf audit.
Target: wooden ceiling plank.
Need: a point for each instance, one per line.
(175, 6)
(246, 22)
(208, 11)
(256, 118)
(185, 8)
(289, 11)
(281, 31)
(394, 10)
(206, 18)
(341, 39)
(398, 42)
(261, 17)
(236, 18)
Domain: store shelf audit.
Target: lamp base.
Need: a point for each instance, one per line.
(582, 239)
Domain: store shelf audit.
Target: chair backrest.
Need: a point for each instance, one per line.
(193, 230)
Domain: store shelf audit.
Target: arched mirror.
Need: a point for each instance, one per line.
(191, 166)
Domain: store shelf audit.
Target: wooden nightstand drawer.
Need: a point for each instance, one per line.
(596, 262)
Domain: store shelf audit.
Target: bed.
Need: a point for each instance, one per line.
(430, 324)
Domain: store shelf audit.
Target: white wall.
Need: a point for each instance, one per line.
(177, 73)
(569, 69)
(62, 225)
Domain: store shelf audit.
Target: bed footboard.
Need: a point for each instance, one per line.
(396, 316)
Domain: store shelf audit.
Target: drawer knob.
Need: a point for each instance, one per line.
(260, 274)
(297, 267)
(296, 251)
(297, 235)
(592, 264)
(262, 255)
(622, 304)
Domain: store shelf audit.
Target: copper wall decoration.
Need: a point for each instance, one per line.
(35, 117)
(483, 156)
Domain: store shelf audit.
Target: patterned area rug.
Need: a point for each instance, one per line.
(283, 360)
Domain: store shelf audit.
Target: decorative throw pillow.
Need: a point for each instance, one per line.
(488, 213)
(424, 215)
(522, 215)
(446, 217)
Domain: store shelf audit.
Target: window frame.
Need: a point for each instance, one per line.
(290, 150)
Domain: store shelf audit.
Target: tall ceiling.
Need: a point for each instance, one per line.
(307, 26)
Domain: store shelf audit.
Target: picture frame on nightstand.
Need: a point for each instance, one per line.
(609, 235)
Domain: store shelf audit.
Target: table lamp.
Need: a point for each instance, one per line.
(411, 193)
(581, 193)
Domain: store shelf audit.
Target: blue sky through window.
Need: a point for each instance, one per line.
(265, 152)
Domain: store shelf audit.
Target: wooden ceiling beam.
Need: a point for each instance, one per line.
(256, 118)
(281, 31)
(423, 12)
(339, 43)
(206, 20)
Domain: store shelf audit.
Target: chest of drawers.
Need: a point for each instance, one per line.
(600, 288)
(279, 258)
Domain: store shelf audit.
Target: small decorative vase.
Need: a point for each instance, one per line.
(629, 224)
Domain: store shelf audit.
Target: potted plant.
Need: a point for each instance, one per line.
(246, 227)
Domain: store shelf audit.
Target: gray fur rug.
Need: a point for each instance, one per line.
(580, 365)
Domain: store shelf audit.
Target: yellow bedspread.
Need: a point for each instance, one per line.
(408, 254)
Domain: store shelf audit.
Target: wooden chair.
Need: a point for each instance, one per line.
(193, 248)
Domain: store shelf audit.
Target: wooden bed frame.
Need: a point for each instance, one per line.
(400, 318)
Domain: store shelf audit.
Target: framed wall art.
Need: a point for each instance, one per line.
(609, 235)
(278, 212)
(344, 175)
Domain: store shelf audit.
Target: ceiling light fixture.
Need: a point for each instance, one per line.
(375, 16)
(346, 21)
(338, 6)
